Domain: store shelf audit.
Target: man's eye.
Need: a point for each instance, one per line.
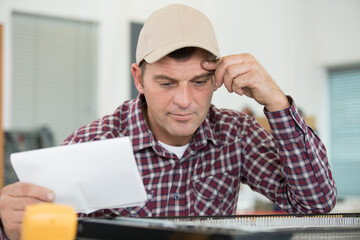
(166, 84)
(200, 82)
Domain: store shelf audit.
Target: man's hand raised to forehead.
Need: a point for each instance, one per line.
(243, 74)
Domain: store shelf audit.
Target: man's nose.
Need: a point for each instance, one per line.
(183, 96)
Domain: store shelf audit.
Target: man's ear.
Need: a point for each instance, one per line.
(137, 74)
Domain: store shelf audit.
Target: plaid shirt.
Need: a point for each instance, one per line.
(289, 167)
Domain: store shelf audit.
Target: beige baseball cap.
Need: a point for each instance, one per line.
(173, 27)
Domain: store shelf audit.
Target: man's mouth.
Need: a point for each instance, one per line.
(182, 116)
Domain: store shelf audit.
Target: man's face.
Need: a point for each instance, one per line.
(178, 95)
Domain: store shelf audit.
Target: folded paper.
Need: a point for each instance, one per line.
(88, 176)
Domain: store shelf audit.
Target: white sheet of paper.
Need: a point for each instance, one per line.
(88, 176)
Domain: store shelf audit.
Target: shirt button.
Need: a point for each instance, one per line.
(176, 196)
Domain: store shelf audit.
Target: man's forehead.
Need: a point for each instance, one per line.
(198, 53)
(172, 66)
(193, 61)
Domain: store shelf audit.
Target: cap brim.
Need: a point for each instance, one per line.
(165, 50)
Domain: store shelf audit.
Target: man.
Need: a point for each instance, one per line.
(192, 156)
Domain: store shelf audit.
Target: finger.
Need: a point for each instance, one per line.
(20, 203)
(21, 189)
(210, 65)
(244, 84)
(12, 224)
(240, 85)
(234, 71)
(13, 217)
(223, 66)
(9, 204)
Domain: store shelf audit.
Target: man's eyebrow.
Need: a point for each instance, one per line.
(165, 77)
(205, 75)
(161, 76)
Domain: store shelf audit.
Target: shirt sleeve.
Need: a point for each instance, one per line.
(290, 166)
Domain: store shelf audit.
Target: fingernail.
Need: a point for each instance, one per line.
(206, 62)
(50, 196)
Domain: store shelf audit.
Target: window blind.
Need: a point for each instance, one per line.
(345, 130)
(54, 69)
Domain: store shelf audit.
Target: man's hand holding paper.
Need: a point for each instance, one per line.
(88, 176)
(14, 198)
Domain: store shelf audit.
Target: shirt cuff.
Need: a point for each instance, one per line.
(287, 123)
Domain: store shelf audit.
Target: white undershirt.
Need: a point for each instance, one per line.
(177, 150)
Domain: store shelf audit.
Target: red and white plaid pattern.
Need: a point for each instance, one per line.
(289, 167)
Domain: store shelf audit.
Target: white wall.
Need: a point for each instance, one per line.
(295, 40)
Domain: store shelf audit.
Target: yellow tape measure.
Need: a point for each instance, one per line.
(49, 221)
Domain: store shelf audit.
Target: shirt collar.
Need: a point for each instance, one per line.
(139, 133)
(204, 133)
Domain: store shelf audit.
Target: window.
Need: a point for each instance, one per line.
(54, 64)
(345, 130)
